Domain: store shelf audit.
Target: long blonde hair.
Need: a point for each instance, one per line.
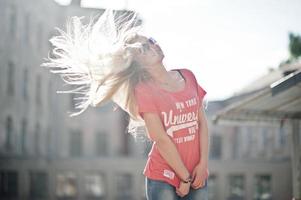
(99, 58)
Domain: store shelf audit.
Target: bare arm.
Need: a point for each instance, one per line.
(204, 139)
(165, 145)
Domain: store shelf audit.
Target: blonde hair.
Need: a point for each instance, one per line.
(99, 58)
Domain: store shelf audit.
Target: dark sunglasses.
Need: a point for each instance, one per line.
(146, 46)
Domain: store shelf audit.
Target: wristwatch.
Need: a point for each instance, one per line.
(188, 180)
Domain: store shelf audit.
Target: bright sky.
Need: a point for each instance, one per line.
(227, 44)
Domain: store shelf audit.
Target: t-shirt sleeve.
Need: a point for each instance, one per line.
(200, 89)
(145, 100)
(201, 92)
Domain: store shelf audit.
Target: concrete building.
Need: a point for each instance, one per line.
(43, 153)
(253, 139)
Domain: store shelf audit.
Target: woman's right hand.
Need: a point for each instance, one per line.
(183, 189)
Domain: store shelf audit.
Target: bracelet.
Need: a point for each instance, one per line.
(188, 180)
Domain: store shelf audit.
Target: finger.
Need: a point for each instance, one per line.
(198, 183)
(178, 192)
(201, 184)
(193, 174)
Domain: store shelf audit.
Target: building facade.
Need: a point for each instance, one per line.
(44, 154)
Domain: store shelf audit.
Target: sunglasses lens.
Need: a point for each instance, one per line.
(152, 40)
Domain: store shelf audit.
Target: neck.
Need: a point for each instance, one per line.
(159, 72)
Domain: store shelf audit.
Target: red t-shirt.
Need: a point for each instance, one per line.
(178, 112)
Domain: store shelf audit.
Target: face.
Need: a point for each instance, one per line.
(149, 53)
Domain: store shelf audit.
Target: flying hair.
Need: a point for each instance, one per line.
(97, 59)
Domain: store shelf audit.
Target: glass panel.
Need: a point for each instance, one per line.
(236, 187)
(66, 185)
(11, 79)
(75, 143)
(23, 137)
(212, 187)
(262, 187)
(38, 184)
(216, 147)
(124, 187)
(95, 185)
(8, 183)
(101, 147)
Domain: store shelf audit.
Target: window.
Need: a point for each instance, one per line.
(38, 184)
(8, 184)
(27, 29)
(216, 146)
(212, 187)
(75, 144)
(25, 84)
(236, 143)
(95, 185)
(9, 134)
(49, 143)
(50, 96)
(142, 187)
(236, 187)
(124, 186)
(262, 187)
(38, 90)
(37, 140)
(280, 136)
(39, 32)
(13, 23)
(101, 144)
(11, 79)
(72, 101)
(66, 185)
(23, 137)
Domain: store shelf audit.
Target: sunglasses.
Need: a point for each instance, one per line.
(146, 46)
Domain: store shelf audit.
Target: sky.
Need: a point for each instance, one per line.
(226, 43)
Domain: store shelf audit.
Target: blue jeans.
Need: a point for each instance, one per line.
(160, 190)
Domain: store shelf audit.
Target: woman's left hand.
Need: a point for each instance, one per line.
(199, 175)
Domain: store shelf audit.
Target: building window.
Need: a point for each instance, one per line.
(13, 23)
(38, 184)
(49, 143)
(101, 144)
(236, 187)
(50, 96)
(66, 185)
(38, 90)
(236, 143)
(212, 187)
(280, 137)
(75, 144)
(124, 187)
(216, 146)
(11, 79)
(8, 184)
(37, 139)
(72, 101)
(262, 187)
(25, 84)
(23, 137)
(27, 29)
(142, 187)
(39, 32)
(95, 185)
(9, 133)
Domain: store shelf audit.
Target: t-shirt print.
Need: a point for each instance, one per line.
(178, 112)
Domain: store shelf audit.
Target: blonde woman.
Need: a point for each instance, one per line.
(110, 60)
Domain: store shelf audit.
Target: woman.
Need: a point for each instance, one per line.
(112, 61)
(178, 162)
